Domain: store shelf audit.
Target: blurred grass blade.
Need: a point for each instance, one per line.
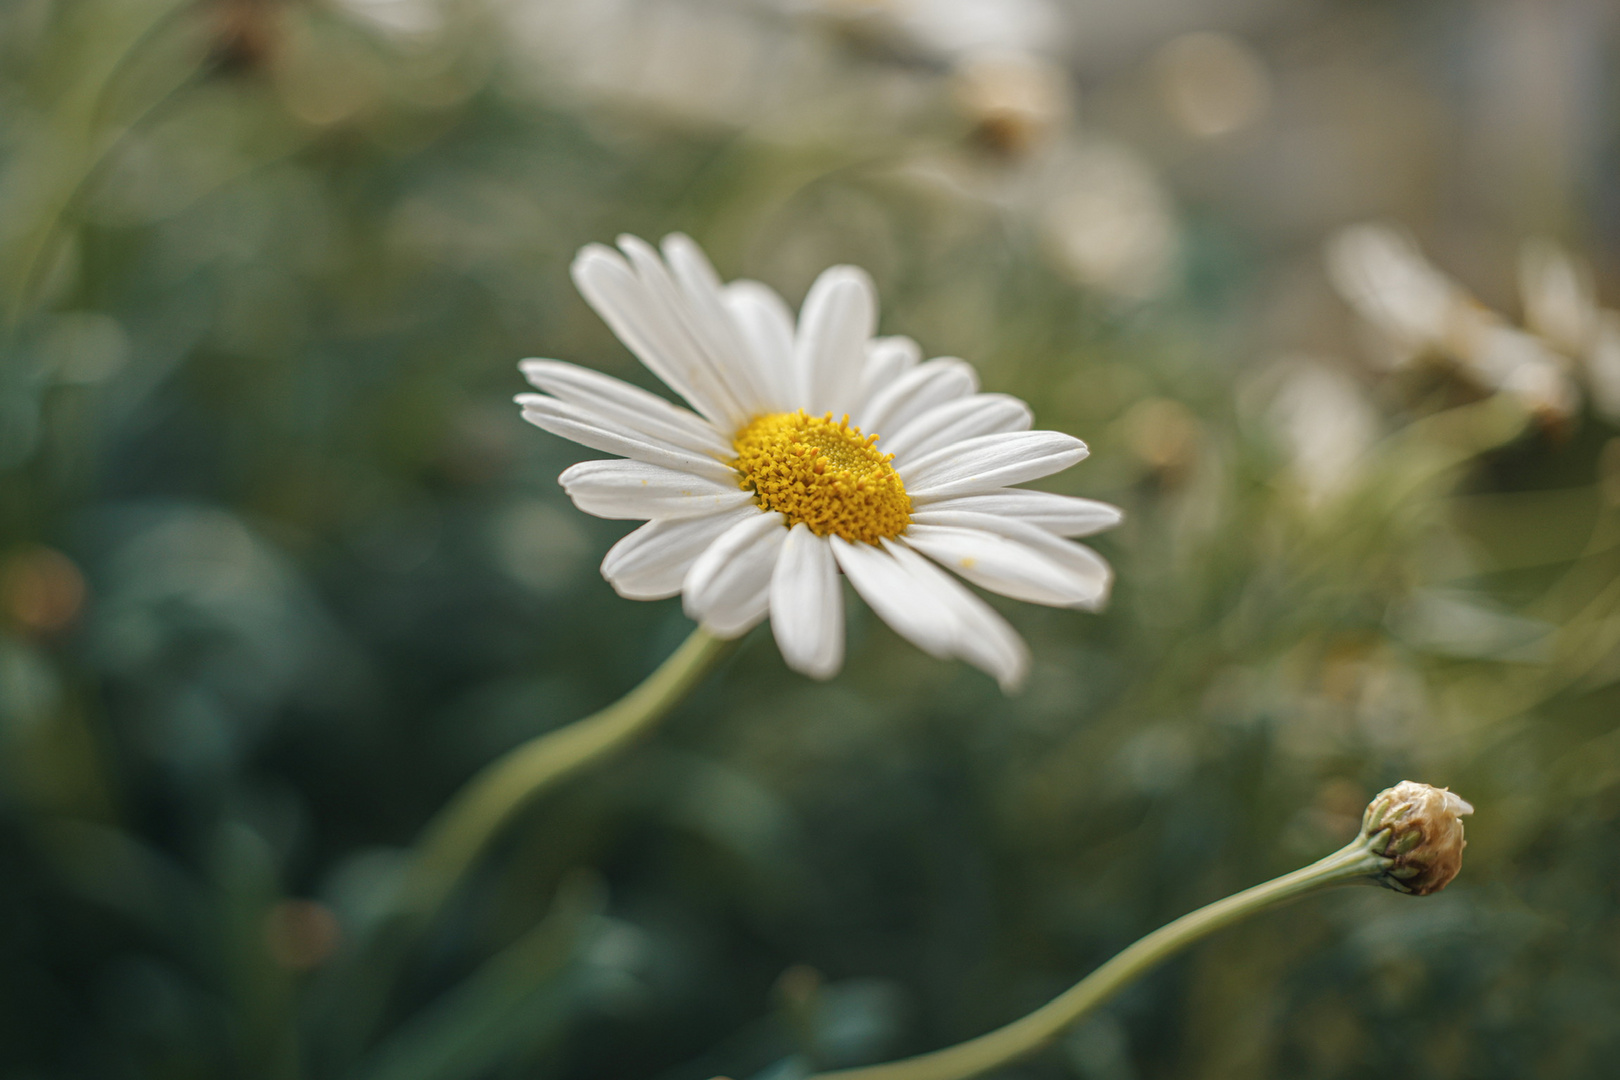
(511, 1004)
(244, 870)
(119, 873)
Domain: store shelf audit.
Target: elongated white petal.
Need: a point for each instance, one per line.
(915, 614)
(807, 605)
(728, 588)
(638, 318)
(711, 323)
(1061, 515)
(922, 388)
(990, 461)
(1603, 366)
(1016, 560)
(986, 640)
(1560, 302)
(680, 328)
(627, 405)
(887, 358)
(766, 324)
(1385, 276)
(635, 491)
(589, 429)
(838, 317)
(934, 613)
(651, 562)
(955, 422)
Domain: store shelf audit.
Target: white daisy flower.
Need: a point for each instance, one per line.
(774, 481)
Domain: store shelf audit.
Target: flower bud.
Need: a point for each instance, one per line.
(1424, 836)
(1015, 101)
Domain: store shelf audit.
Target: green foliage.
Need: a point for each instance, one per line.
(281, 567)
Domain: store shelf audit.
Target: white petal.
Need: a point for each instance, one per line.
(1062, 515)
(632, 490)
(990, 461)
(588, 429)
(712, 324)
(917, 615)
(1384, 275)
(1017, 560)
(838, 317)
(955, 422)
(766, 325)
(922, 388)
(728, 588)
(625, 404)
(651, 563)
(639, 318)
(807, 605)
(887, 358)
(934, 613)
(1603, 366)
(986, 640)
(710, 371)
(1559, 301)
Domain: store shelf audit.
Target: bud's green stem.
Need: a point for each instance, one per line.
(1359, 859)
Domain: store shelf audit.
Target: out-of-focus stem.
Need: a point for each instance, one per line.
(88, 149)
(454, 840)
(1024, 1036)
(461, 831)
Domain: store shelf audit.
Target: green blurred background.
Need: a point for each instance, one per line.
(280, 565)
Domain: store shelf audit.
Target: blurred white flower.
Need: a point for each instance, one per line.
(1111, 225)
(1326, 424)
(1560, 302)
(705, 63)
(757, 499)
(1420, 311)
(1014, 101)
(944, 29)
(1382, 273)
(1508, 359)
(1603, 365)
(407, 21)
(1213, 84)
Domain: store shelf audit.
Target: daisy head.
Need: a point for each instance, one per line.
(811, 449)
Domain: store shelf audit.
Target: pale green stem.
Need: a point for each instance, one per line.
(81, 118)
(1034, 1031)
(460, 832)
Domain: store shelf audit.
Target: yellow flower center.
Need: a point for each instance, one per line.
(824, 474)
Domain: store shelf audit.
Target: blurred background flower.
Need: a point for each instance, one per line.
(1329, 287)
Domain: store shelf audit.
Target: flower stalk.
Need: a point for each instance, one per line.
(459, 833)
(1371, 855)
(463, 830)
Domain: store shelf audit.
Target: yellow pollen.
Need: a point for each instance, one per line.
(824, 473)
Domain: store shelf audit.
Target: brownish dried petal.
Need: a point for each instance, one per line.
(1425, 835)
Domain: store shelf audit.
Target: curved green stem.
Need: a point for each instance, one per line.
(461, 831)
(83, 118)
(1030, 1033)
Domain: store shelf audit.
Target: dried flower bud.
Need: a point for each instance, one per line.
(1015, 101)
(1425, 836)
